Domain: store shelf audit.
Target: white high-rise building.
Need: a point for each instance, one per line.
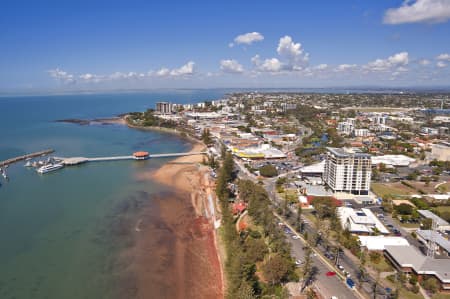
(164, 107)
(347, 171)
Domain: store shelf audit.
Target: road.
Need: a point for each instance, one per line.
(350, 265)
(327, 286)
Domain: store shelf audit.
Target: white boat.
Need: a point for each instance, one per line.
(50, 167)
(28, 164)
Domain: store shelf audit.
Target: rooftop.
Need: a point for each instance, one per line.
(360, 221)
(428, 214)
(437, 237)
(409, 256)
(379, 242)
(346, 152)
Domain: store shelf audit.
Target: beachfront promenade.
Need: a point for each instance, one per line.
(80, 160)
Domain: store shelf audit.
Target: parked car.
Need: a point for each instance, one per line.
(330, 273)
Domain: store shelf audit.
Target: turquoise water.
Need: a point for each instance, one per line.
(61, 233)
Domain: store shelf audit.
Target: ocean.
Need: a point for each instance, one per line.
(61, 233)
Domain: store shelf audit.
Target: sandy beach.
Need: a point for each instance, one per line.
(175, 255)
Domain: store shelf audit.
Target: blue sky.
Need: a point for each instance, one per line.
(79, 45)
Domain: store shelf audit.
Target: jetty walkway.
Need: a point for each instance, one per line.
(24, 157)
(80, 160)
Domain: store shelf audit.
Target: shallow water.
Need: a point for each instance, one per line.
(61, 233)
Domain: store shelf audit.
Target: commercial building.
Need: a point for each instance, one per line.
(378, 243)
(164, 107)
(361, 221)
(393, 160)
(313, 170)
(441, 151)
(408, 259)
(347, 171)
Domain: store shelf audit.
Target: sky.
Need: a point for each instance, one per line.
(106, 45)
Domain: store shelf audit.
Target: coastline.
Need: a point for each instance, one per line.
(176, 251)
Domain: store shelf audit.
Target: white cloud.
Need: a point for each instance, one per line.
(345, 67)
(396, 60)
(185, 70)
(65, 77)
(424, 62)
(293, 52)
(292, 58)
(441, 64)
(162, 72)
(321, 67)
(272, 65)
(443, 56)
(247, 38)
(62, 76)
(231, 66)
(419, 11)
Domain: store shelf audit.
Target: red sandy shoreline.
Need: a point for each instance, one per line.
(175, 254)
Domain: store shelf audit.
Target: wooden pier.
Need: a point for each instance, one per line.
(27, 156)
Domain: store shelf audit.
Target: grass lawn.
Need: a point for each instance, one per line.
(445, 186)
(441, 296)
(382, 266)
(409, 225)
(443, 209)
(381, 189)
(289, 194)
(405, 294)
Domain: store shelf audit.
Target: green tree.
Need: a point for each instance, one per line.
(268, 170)
(375, 257)
(255, 250)
(275, 269)
(206, 137)
(307, 267)
(245, 291)
(404, 209)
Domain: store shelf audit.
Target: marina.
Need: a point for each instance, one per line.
(25, 157)
(55, 163)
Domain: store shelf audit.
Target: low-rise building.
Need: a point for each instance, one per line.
(440, 151)
(393, 160)
(378, 243)
(427, 237)
(361, 221)
(408, 260)
(440, 223)
(361, 132)
(345, 128)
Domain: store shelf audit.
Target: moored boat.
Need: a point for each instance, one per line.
(49, 168)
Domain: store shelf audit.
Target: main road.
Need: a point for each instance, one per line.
(327, 286)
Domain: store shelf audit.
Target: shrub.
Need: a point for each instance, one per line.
(431, 284)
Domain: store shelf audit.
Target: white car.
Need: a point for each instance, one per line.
(298, 262)
(295, 237)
